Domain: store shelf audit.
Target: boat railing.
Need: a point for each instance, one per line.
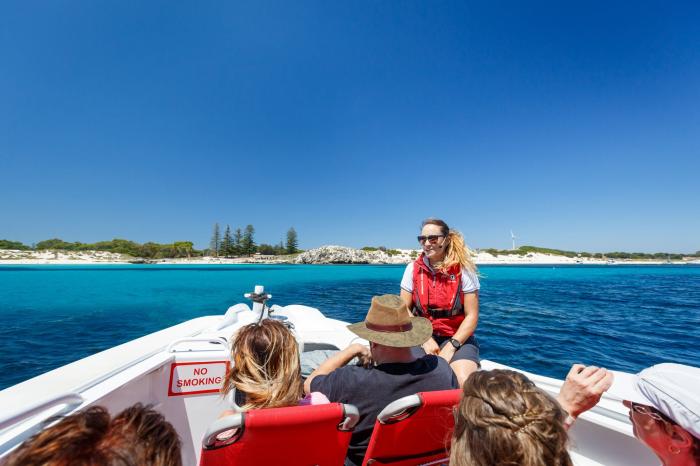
(609, 407)
(17, 427)
(120, 369)
(610, 413)
(172, 347)
(169, 349)
(553, 386)
(67, 402)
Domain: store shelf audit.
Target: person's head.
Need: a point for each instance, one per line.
(664, 410)
(503, 418)
(391, 330)
(442, 245)
(389, 325)
(137, 436)
(265, 366)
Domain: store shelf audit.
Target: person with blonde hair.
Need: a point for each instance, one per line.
(139, 435)
(503, 418)
(442, 285)
(266, 372)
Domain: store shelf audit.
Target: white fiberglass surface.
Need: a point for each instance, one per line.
(183, 381)
(189, 411)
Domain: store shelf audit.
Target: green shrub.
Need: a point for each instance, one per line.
(7, 244)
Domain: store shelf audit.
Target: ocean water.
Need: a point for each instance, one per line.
(538, 318)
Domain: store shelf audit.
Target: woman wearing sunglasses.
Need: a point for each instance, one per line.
(442, 285)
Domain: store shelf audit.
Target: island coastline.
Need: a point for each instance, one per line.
(323, 255)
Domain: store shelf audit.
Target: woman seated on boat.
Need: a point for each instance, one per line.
(504, 418)
(442, 285)
(138, 435)
(665, 410)
(266, 372)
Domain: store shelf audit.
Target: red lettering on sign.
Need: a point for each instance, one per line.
(200, 381)
(189, 378)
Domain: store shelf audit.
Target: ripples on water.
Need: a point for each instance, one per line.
(541, 319)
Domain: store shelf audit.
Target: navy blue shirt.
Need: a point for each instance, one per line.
(372, 389)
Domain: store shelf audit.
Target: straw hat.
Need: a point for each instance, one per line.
(389, 323)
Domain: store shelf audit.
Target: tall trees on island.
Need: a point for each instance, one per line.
(237, 242)
(242, 243)
(292, 242)
(248, 241)
(215, 244)
(231, 244)
(226, 248)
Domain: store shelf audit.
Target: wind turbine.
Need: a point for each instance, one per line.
(512, 237)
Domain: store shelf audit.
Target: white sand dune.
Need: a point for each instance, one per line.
(399, 256)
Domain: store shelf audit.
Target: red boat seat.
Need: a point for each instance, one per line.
(414, 430)
(298, 435)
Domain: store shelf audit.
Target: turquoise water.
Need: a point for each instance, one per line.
(538, 318)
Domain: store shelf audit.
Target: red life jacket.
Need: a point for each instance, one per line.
(438, 296)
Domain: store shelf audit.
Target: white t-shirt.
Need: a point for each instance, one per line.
(470, 282)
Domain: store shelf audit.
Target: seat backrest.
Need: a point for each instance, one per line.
(414, 430)
(298, 435)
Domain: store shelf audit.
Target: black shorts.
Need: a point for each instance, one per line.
(468, 351)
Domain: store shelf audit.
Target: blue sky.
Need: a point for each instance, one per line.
(575, 125)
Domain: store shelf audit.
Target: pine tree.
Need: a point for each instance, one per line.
(227, 243)
(248, 241)
(237, 242)
(215, 244)
(292, 241)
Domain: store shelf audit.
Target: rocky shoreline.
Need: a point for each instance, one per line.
(330, 254)
(344, 255)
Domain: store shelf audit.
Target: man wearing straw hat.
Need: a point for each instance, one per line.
(395, 370)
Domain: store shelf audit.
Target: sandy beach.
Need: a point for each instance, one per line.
(350, 255)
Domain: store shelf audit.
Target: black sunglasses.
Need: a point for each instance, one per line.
(432, 238)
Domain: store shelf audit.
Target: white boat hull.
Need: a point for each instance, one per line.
(178, 370)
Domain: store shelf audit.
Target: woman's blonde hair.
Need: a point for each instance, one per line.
(265, 366)
(504, 419)
(457, 251)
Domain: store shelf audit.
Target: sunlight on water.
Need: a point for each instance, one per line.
(540, 319)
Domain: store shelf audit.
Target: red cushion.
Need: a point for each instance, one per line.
(299, 435)
(421, 437)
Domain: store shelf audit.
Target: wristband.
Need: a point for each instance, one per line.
(569, 421)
